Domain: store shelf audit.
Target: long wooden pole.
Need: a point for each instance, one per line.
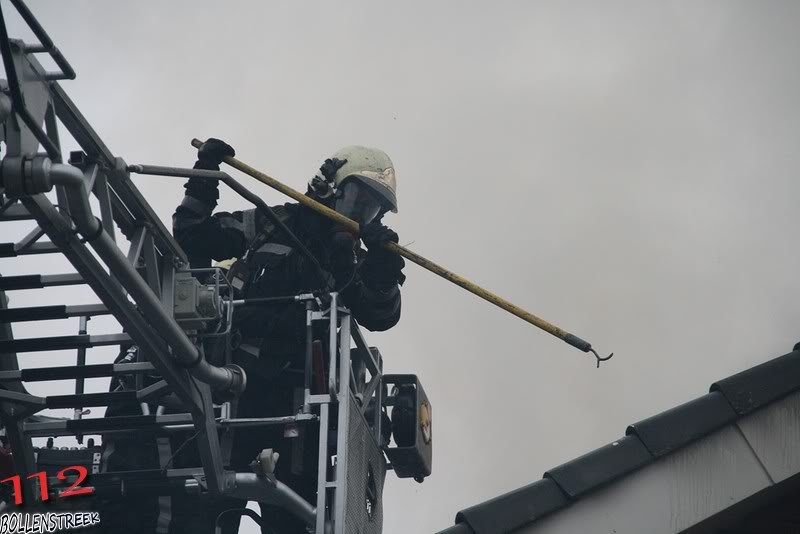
(458, 280)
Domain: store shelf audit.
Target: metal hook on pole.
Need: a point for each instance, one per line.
(599, 359)
(473, 288)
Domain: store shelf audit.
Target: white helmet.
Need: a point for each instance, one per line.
(371, 167)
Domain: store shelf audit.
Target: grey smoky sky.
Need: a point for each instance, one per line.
(627, 170)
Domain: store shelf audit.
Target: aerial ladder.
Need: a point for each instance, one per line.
(180, 321)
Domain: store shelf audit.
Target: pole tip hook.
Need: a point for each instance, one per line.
(599, 359)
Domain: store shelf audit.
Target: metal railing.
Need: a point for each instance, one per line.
(344, 396)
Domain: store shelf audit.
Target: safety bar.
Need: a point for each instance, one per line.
(39, 175)
(230, 378)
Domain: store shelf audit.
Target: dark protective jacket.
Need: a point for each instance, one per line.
(280, 269)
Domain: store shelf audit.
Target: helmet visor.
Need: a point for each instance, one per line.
(357, 202)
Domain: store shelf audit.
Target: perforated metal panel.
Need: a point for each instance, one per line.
(366, 469)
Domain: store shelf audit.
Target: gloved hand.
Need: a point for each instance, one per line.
(209, 156)
(212, 152)
(382, 269)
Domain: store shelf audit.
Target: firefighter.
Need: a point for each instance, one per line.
(358, 182)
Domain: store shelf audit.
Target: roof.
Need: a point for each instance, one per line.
(687, 469)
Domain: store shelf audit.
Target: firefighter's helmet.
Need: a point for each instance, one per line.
(373, 168)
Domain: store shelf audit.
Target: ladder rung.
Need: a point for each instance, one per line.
(43, 313)
(61, 343)
(44, 374)
(91, 399)
(105, 424)
(36, 281)
(9, 250)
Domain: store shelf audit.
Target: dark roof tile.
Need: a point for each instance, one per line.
(458, 528)
(514, 509)
(762, 384)
(671, 430)
(650, 438)
(600, 466)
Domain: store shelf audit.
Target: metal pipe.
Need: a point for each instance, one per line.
(332, 348)
(81, 361)
(230, 378)
(260, 301)
(309, 356)
(272, 491)
(72, 179)
(246, 422)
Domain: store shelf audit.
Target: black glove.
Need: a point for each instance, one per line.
(382, 269)
(211, 153)
(209, 156)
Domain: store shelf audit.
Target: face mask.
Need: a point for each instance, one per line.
(357, 202)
